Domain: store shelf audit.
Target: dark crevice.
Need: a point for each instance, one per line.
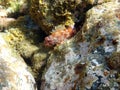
(27, 60)
(81, 18)
(16, 15)
(39, 79)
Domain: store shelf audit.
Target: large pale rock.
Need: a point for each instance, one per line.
(24, 37)
(87, 61)
(14, 73)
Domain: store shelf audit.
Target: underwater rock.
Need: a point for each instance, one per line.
(22, 35)
(50, 14)
(80, 63)
(99, 1)
(39, 59)
(19, 39)
(114, 61)
(14, 73)
(4, 20)
(25, 38)
(15, 8)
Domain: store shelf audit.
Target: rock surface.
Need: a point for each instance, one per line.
(85, 61)
(14, 73)
(51, 14)
(15, 7)
(88, 61)
(25, 38)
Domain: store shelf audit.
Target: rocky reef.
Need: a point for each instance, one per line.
(90, 60)
(51, 14)
(24, 38)
(14, 73)
(15, 8)
(81, 51)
